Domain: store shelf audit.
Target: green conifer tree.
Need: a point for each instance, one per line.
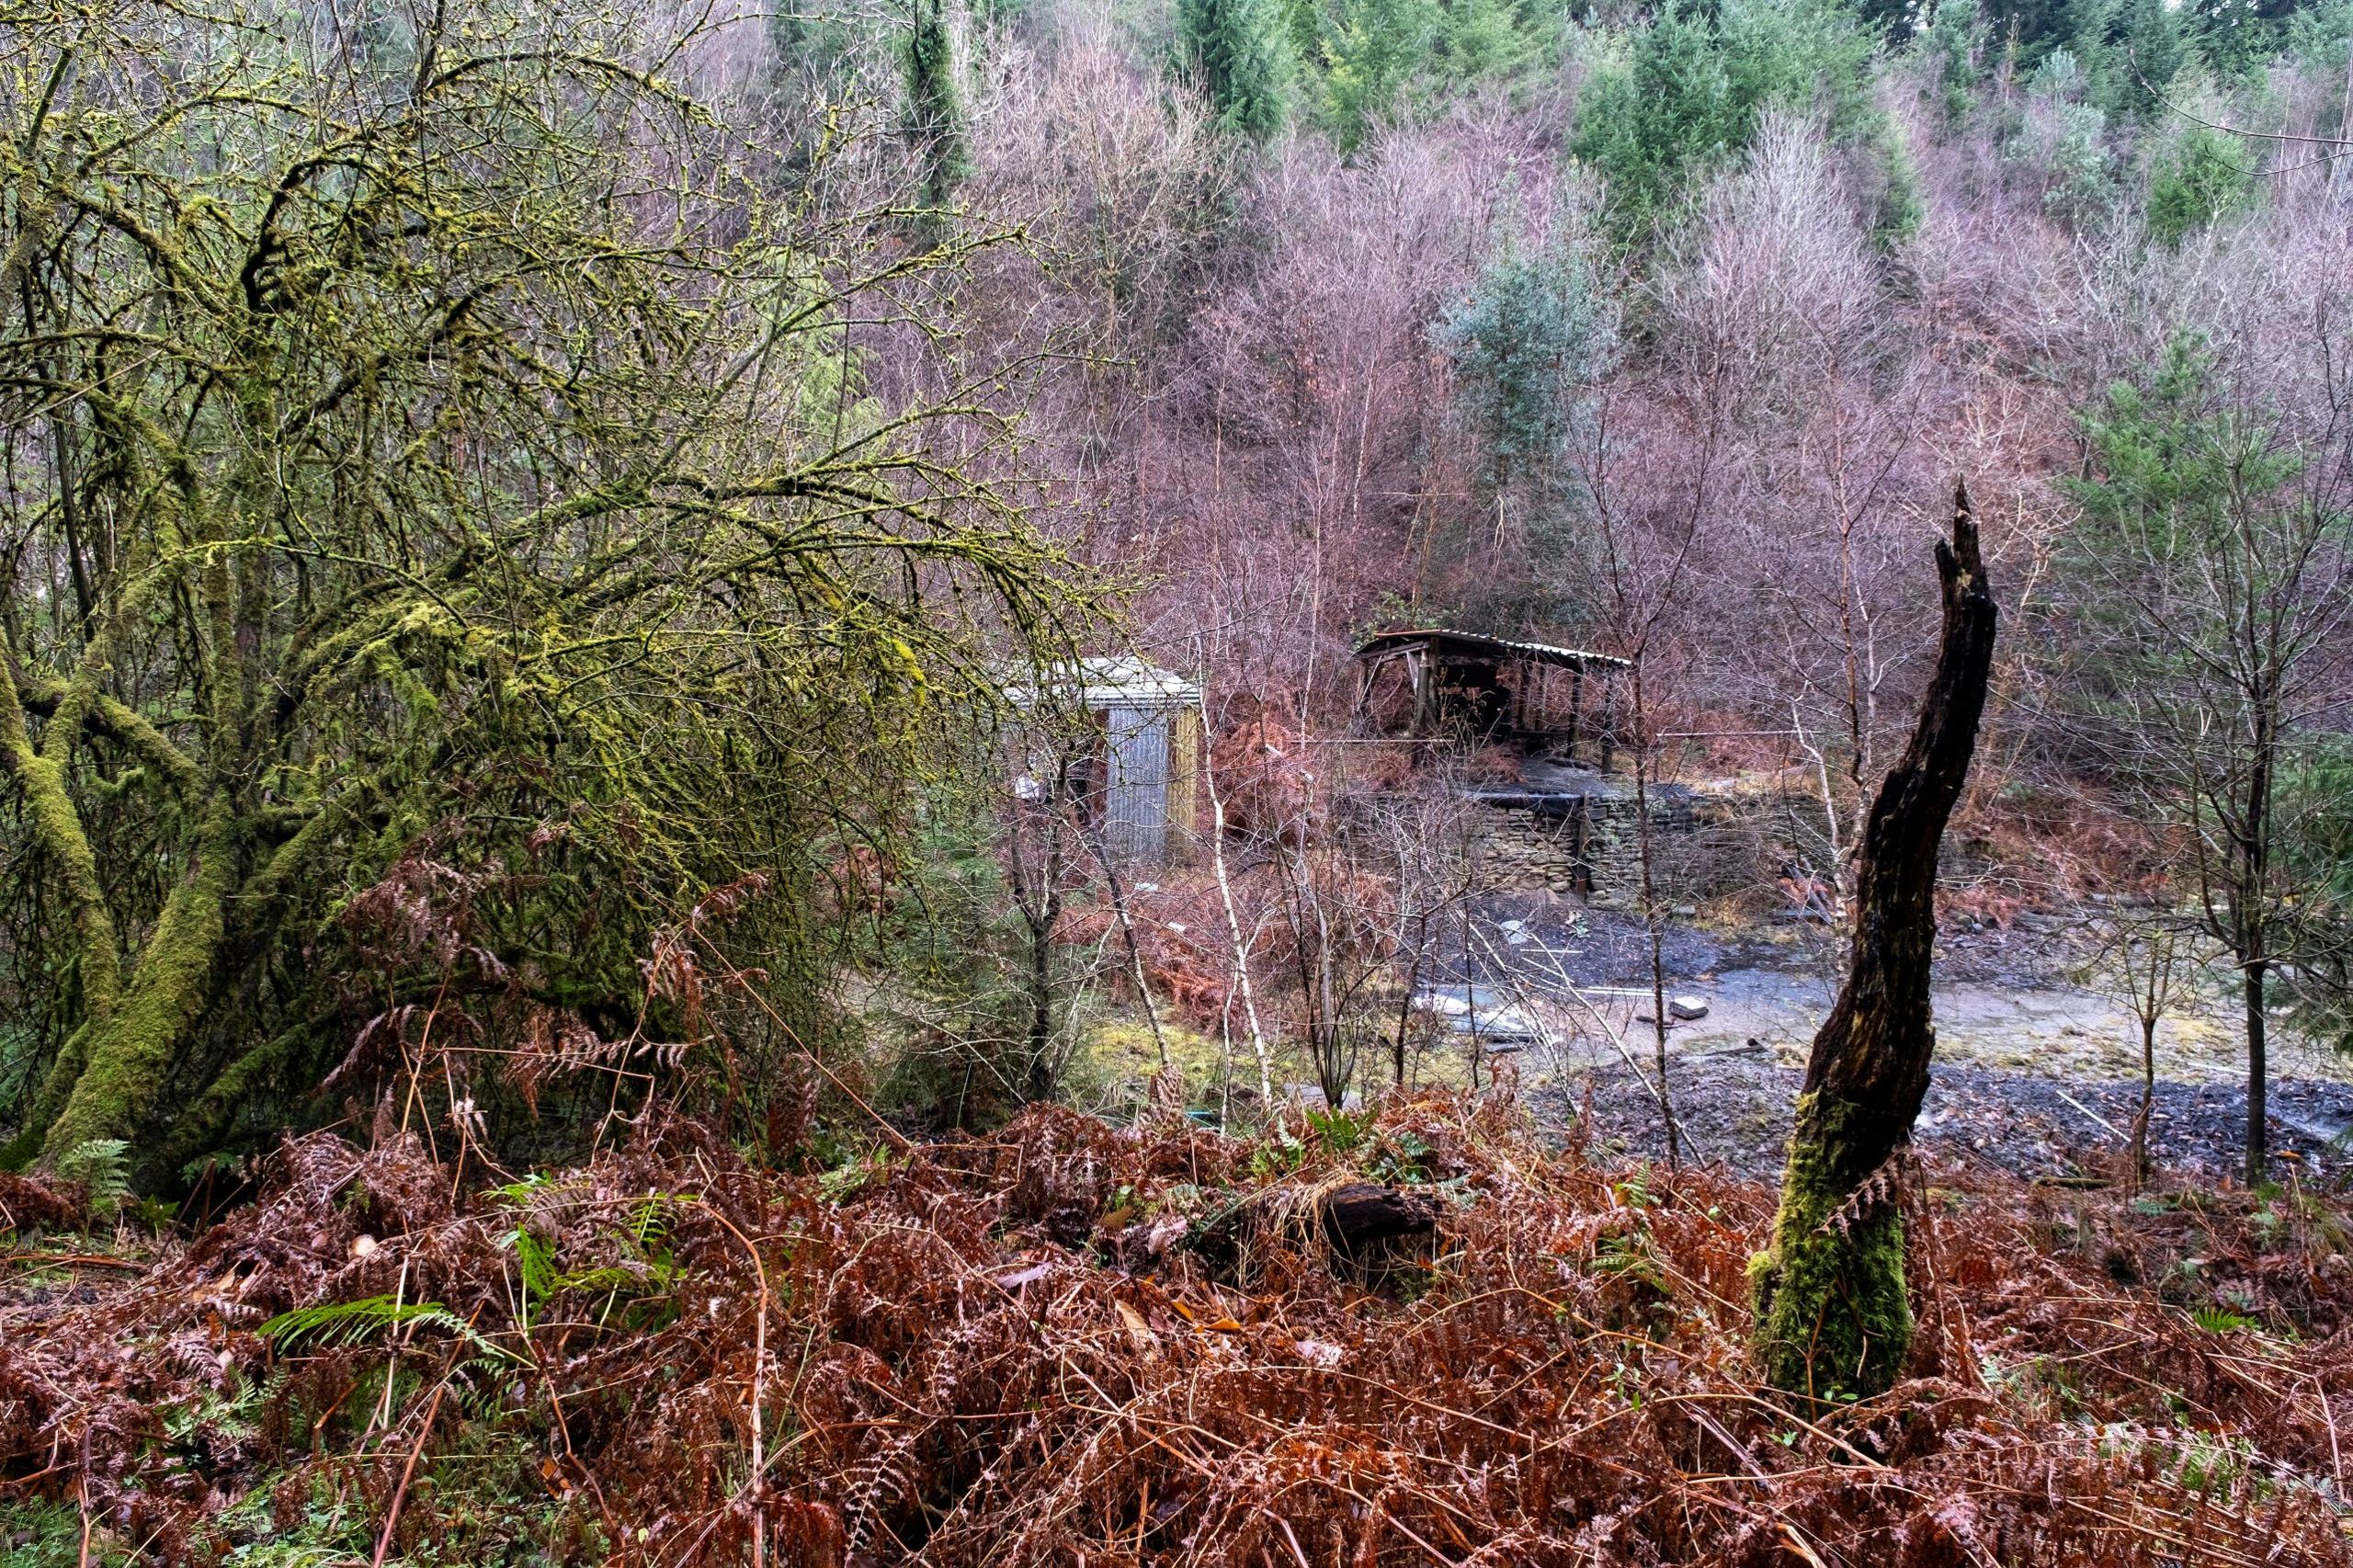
(2149, 38)
(1953, 44)
(1687, 96)
(1528, 346)
(1369, 51)
(1240, 51)
(2202, 178)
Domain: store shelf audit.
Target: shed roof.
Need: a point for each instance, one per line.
(1119, 682)
(1445, 642)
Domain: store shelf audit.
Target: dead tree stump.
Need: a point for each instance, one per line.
(1832, 1313)
(1363, 1215)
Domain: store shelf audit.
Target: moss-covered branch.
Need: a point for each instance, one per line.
(124, 725)
(457, 513)
(131, 1050)
(58, 830)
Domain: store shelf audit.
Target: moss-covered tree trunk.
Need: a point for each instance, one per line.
(129, 1052)
(1831, 1311)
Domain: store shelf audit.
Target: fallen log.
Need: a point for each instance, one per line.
(1365, 1214)
(1357, 1223)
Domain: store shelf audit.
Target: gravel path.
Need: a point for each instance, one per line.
(1736, 1111)
(2034, 1074)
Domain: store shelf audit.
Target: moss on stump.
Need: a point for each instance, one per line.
(1832, 1313)
(1832, 1317)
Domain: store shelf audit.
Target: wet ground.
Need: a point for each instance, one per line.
(2036, 1071)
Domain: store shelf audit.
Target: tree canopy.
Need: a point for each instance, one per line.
(424, 421)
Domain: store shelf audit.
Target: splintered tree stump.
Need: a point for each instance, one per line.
(1833, 1316)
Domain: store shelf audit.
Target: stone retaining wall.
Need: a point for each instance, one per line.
(1589, 845)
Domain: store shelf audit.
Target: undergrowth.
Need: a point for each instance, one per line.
(1074, 1342)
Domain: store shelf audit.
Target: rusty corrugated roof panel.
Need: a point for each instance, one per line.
(1472, 644)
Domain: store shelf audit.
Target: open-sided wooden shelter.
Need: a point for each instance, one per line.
(1492, 688)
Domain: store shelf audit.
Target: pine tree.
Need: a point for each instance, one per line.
(2148, 38)
(2205, 565)
(2201, 177)
(1686, 98)
(1527, 344)
(1370, 50)
(1240, 53)
(1528, 348)
(1953, 44)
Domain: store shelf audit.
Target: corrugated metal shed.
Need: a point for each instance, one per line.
(1149, 720)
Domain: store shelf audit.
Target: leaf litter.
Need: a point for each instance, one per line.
(1075, 1343)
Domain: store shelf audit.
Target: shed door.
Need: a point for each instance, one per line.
(1136, 793)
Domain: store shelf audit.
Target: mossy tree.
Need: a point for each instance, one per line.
(457, 441)
(1833, 1314)
(934, 119)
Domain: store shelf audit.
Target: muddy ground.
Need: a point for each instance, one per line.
(2037, 1072)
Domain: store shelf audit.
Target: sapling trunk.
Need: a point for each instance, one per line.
(1241, 948)
(2258, 1128)
(2148, 1099)
(1833, 1314)
(1652, 926)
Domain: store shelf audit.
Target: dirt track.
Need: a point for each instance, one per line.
(2035, 1074)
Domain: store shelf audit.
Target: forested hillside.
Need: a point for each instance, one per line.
(1211, 781)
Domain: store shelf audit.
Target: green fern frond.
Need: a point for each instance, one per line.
(333, 1323)
(2221, 1319)
(537, 1259)
(483, 1385)
(522, 1192)
(643, 1278)
(100, 1165)
(649, 1219)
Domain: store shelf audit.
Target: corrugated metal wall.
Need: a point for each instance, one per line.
(1135, 792)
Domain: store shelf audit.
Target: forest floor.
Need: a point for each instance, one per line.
(1144, 1344)
(2037, 1074)
(1135, 1340)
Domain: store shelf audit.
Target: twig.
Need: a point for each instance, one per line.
(1292, 1536)
(400, 1493)
(1233, 921)
(1574, 994)
(2336, 1455)
(757, 1482)
(2089, 1112)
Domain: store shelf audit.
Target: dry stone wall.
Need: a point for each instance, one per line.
(1589, 845)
